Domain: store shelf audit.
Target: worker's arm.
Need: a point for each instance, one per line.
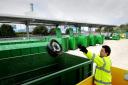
(95, 58)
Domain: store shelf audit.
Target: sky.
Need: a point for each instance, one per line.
(90, 11)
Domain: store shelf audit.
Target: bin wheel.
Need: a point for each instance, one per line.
(54, 48)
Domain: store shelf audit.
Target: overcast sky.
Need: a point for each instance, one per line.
(93, 11)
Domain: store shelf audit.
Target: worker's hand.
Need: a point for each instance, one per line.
(82, 48)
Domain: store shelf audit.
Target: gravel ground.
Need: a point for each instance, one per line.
(119, 53)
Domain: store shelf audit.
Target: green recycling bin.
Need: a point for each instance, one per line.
(58, 32)
(99, 39)
(115, 36)
(82, 40)
(91, 40)
(72, 43)
(65, 43)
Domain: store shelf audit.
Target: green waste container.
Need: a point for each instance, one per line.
(15, 52)
(34, 50)
(65, 43)
(5, 54)
(25, 51)
(82, 40)
(76, 40)
(58, 32)
(71, 32)
(72, 43)
(19, 41)
(43, 69)
(7, 51)
(99, 39)
(91, 40)
(115, 36)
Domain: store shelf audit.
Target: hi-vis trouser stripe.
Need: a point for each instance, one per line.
(105, 83)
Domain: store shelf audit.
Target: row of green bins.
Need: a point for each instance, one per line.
(67, 42)
(95, 39)
(73, 42)
(126, 35)
(43, 69)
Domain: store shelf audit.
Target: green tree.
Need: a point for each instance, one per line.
(124, 27)
(108, 29)
(7, 31)
(40, 30)
(98, 30)
(52, 31)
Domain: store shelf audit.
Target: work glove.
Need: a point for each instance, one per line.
(83, 49)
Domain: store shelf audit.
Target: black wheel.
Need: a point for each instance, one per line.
(54, 48)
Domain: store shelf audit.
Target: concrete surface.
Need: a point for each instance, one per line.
(119, 53)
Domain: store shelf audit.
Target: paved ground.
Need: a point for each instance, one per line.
(119, 54)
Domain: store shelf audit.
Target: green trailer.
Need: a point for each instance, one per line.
(43, 69)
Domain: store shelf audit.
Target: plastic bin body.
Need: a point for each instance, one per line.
(115, 36)
(99, 39)
(72, 43)
(65, 43)
(58, 32)
(82, 40)
(91, 39)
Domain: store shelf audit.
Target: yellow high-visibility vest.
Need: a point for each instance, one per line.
(103, 69)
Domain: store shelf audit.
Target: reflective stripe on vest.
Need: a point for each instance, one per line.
(103, 67)
(100, 68)
(99, 81)
(93, 56)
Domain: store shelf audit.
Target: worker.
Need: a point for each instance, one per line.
(103, 65)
